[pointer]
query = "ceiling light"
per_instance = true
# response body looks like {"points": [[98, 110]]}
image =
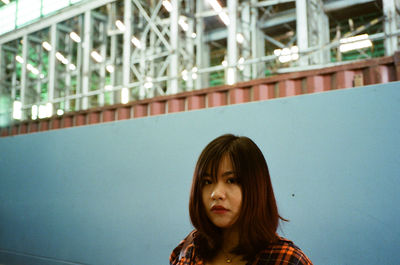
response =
{"points": [[136, 42], [46, 45], [239, 38], [167, 5], [224, 17], [6, 1], [110, 68], [355, 43], [19, 59], [75, 37], [124, 95], [96, 56], [120, 25], [72, 67], [182, 22], [17, 110]]}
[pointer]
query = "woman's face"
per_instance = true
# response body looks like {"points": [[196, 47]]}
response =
{"points": [[222, 198]]}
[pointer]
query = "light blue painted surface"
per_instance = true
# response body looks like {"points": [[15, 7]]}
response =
{"points": [[117, 193]]}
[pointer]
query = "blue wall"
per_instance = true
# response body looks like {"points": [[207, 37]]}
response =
{"points": [[117, 193]]}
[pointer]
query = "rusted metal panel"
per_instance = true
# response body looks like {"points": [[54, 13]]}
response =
{"points": [[239, 95], [124, 113], [108, 115], [366, 72], [140, 110], [216, 99], [196, 102], [263, 91], [157, 107], [176, 104], [94, 117], [44, 125]]}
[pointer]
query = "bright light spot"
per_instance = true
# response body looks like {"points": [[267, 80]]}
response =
{"points": [[215, 5], [240, 62], [34, 112], [194, 35], [224, 17], [49, 108], [6, 1], [60, 112], [75, 37], [355, 43], [217, 8], [287, 54], [17, 110], [19, 59], [182, 22], [239, 38], [32, 69], [295, 56], [120, 25], [194, 76], [149, 83], [72, 67], [224, 63], [136, 42], [277, 52], [194, 69], [110, 68], [46, 45], [96, 56], [230, 80], [61, 58], [124, 95], [167, 5], [185, 75], [41, 76], [108, 87]]}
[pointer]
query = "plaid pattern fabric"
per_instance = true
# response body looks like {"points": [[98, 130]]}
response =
{"points": [[283, 252]]}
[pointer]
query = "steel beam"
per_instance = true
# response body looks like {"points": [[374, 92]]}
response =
{"points": [[87, 47], [391, 9], [232, 50], [174, 44]]}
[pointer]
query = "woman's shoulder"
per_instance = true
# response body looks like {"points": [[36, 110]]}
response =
{"points": [[184, 252], [283, 251]]}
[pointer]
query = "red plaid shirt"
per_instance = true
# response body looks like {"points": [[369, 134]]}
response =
{"points": [[283, 252]]}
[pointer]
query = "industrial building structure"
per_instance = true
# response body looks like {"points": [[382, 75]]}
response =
{"points": [[68, 56]]}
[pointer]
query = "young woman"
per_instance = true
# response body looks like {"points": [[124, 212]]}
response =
{"points": [[233, 209]]}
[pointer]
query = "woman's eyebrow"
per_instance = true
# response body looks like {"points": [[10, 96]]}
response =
{"points": [[227, 173]]}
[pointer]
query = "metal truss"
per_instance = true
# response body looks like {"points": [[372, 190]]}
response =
{"points": [[105, 52]]}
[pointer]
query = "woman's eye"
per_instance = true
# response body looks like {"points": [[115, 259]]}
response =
{"points": [[232, 181], [206, 182]]}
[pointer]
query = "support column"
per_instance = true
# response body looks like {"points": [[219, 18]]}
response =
{"points": [[318, 32], [302, 30], [232, 44], [24, 79], [391, 26], [246, 31], [52, 63], [257, 43], [126, 63], [202, 49], [87, 47], [174, 37]]}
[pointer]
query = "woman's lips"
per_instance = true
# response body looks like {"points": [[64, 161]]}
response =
{"points": [[219, 209]]}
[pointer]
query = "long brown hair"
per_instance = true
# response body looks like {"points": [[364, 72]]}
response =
{"points": [[259, 217]]}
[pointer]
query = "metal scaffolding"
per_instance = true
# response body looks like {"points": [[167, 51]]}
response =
{"points": [[105, 52]]}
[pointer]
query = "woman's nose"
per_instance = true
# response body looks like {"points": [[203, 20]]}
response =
{"points": [[218, 192]]}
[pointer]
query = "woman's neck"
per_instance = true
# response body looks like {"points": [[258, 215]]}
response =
{"points": [[231, 240]]}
